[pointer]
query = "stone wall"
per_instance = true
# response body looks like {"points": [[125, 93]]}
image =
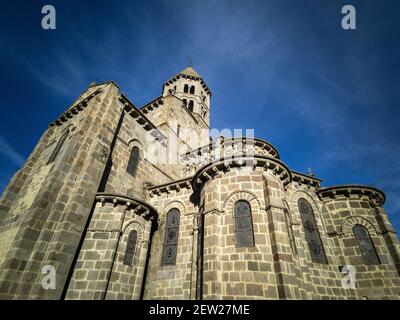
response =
{"points": [[100, 272], [55, 199], [76, 213], [173, 281]]}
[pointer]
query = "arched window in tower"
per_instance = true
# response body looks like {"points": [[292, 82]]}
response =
{"points": [[130, 248], [133, 161], [244, 236], [191, 105], [186, 89], [192, 89], [311, 232], [365, 244], [171, 237], [185, 102]]}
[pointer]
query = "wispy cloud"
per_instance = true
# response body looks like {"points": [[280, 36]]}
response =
{"points": [[8, 151]]}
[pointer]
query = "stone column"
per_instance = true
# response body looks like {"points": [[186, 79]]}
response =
{"points": [[141, 268]]}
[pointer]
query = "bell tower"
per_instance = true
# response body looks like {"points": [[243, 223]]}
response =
{"points": [[189, 87]]}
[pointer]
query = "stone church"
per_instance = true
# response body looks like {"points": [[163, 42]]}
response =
{"points": [[122, 202]]}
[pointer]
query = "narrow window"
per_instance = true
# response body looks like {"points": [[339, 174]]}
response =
{"points": [[191, 105], [192, 89], [133, 161], [58, 147], [171, 237], [130, 248], [244, 236], [186, 88], [365, 244], [178, 130], [312, 235], [185, 102], [289, 227]]}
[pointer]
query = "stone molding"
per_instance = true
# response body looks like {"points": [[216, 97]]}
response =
{"points": [[208, 171], [348, 224], [237, 195], [186, 76], [168, 187], [75, 109], [374, 194], [152, 105], [307, 180], [223, 144], [139, 207], [140, 118]]}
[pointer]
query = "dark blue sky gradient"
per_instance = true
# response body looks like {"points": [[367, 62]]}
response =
{"points": [[326, 98]]}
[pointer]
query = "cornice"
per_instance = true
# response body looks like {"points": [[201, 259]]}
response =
{"points": [[139, 207], [186, 76], [75, 108], [208, 171], [140, 118], [375, 195], [222, 143], [306, 179], [152, 105], [168, 187]]}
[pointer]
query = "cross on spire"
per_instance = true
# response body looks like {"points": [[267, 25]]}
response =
{"points": [[189, 60]]}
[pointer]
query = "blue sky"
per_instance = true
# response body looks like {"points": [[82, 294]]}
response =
{"points": [[325, 97]]}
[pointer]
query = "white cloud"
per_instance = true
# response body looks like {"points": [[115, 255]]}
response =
{"points": [[9, 152]]}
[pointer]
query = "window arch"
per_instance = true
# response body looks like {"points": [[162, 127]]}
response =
{"points": [[130, 248], [185, 102], [191, 104], [365, 244], [186, 89], [171, 237], [192, 89], [133, 161], [311, 231], [244, 235]]}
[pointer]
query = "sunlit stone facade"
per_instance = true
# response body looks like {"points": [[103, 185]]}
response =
{"points": [[139, 203]]}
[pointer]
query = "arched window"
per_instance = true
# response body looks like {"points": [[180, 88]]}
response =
{"points": [[244, 236], [186, 89], [130, 248], [191, 103], [365, 244], [192, 89], [171, 237], [133, 161], [58, 147], [312, 235], [185, 102]]}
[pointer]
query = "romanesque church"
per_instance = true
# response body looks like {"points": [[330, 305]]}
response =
{"points": [[127, 202]]}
